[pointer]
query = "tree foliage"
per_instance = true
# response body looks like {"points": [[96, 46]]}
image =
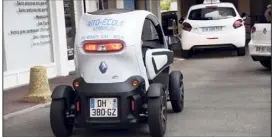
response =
{"points": [[165, 4]]}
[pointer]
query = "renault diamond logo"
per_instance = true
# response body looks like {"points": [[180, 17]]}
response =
{"points": [[265, 31], [103, 67]]}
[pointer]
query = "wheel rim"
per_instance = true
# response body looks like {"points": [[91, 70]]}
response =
{"points": [[181, 90], [163, 113], [67, 120]]}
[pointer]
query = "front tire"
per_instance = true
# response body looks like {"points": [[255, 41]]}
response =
{"points": [[157, 115], [241, 51], [185, 54], [59, 123], [176, 90], [266, 63]]}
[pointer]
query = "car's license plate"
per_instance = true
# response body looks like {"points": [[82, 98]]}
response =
{"points": [[211, 29], [263, 49], [103, 107]]}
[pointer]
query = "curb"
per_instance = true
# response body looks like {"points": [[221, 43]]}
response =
{"points": [[26, 110]]}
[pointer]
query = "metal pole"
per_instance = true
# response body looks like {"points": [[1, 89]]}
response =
{"points": [[84, 6]]}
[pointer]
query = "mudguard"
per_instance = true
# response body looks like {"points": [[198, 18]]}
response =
{"points": [[64, 92], [174, 85], [154, 90]]}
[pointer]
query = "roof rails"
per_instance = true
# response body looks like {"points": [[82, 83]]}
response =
{"points": [[211, 1]]}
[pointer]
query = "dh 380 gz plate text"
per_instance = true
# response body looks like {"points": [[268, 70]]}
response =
{"points": [[103, 107]]}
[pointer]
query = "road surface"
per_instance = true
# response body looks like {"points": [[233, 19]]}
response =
{"points": [[225, 95]]}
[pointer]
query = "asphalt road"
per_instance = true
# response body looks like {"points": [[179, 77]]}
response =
{"points": [[225, 95]]}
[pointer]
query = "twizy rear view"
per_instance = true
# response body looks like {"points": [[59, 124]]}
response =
{"points": [[123, 68]]}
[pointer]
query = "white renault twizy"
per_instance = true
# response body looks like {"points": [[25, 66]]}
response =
{"points": [[123, 67]]}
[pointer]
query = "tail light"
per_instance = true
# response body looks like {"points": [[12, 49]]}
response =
{"points": [[238, 23], [133, 105], [77, 106], [107, 46], [186, 26], [253, 29]]}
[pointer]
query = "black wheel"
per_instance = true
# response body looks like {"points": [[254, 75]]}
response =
{"points": [[157, 115], [266, 63], [60, 125], [176, 91], [241, 51], [185, 54]]}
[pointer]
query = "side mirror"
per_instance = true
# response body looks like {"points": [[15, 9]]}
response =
{"points": [[244, 16], [181, 20], [173, 41]]}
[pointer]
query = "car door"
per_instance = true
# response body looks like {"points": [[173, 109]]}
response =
{"points": [[156, 56]]}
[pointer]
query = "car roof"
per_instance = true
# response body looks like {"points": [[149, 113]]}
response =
{"points": [[221, 4], [111, 11]]}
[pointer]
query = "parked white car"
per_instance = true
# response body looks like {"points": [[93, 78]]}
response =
{"points": [[260, 43], [213, 25]]}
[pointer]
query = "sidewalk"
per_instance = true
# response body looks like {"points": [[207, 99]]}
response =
{"points": [[12, 98]]}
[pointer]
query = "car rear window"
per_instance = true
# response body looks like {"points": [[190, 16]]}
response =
{"points": [[212, 13]]}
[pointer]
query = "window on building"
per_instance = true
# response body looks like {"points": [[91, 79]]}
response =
{"points": [[103, 4], [27, 36], [70, 27]]}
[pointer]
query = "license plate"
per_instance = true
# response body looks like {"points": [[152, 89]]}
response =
{"points": [[103, 107], [211, 29], [263, 49]]}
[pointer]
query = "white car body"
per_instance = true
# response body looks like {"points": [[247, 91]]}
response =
{"points": [[260, 43], [215, 32], [127, 29]]}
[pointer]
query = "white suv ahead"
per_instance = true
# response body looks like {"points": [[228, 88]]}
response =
{"points": [[213, 25]]}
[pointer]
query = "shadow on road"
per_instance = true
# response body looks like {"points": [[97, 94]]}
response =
{"points": [[138, 131], [259, 71], [141, 130], [213, 53], [209, 53]]}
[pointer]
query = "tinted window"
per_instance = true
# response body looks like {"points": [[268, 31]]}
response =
{"points": [[212, 13], [149, 31]]}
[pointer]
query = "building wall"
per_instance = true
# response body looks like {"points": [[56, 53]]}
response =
{"points": [[129, 4], [46, 46], [53, 55], [141, 4]]}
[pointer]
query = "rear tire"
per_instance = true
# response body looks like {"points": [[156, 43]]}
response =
{"points": [[241, 51], [157, 115], [185, 54], [176, 89], [59, 123], [266, 63]]}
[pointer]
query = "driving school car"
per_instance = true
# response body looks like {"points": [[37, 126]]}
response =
{"points": [[260, 44], [213, 24], [123, 75]]}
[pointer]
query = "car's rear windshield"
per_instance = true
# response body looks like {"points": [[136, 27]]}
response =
{"points": [[212, 13]]}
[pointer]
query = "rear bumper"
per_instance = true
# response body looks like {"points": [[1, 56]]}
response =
{"points": [[253, 52], [237, 38], [261, 58], [123, 91]]}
